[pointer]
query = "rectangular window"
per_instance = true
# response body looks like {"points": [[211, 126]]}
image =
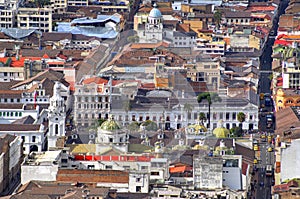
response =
{"points": [[153, 173], [33, 139], [234, 116], [227, 116]]}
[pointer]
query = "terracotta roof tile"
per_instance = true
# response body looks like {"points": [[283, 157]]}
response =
{"points": [[11, 106], [19, 127], [92, 176], [50, 74], [19, 62], [148, 45], [96, 80]]}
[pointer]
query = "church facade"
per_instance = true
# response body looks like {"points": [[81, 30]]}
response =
{"points": [[152, 32]]}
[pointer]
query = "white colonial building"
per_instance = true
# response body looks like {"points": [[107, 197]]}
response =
{"points": [[33, 135], [176, 116], [93, 98]]}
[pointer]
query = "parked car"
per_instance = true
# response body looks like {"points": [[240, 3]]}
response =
{"points": [[268, 101]]}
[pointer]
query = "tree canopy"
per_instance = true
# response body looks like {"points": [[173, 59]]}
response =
{"points": [[241, 117]]}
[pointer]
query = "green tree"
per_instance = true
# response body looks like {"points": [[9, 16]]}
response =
{"points": [[270, 77], [241, 117], [100, 121], [133, 126], [8, 61], [188, 109], [150, 125], [133, 39], [236, 131], [210, 98], [202, 118], [218, 17]]}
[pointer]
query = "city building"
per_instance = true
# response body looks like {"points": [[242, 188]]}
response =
{"points": [[8, 13], [110, 135], [35, 18], [94, 97], [43, 189], [176, 117], [33, 135], [104, 26], [11, 157], [286, 98], [9, 113], [153, 29], [41, 166], [207, 172], [232, 172]]}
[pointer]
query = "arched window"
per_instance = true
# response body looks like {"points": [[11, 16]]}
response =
{"points": [[56, 129], [289, 101]]}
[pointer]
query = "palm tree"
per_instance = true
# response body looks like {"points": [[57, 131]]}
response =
{"points": [[217, 18], [202, 118], [188, 108], [210, 98], [241, 117]]}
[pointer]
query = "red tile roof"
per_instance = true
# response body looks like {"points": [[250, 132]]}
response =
{"points": [[56, 63], [149, 45], [281, 188], [97, 80], [45, 56], [18, 63], [92, 176], [261, 8], [283, 42], [148, 85]]}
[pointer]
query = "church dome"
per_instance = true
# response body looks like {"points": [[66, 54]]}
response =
{"points": [[198, 128], [221, 132], [110, 125], [155, 13]]}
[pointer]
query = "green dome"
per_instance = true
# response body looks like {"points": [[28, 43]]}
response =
{"points": [[221, 132], [110, 125]]}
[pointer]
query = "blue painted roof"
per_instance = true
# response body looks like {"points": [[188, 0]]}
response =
{"points": [[155, 13]]}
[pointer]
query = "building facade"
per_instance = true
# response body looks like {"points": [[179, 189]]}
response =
{"points": [[33, 135], [35, 18], [93, 98], [11, 153], [153, 31], [207, 172]]}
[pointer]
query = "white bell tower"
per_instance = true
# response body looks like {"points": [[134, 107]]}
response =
{"points": [[56, 116]]}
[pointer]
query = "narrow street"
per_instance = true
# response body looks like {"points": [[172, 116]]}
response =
{"points": [[262, 184]]}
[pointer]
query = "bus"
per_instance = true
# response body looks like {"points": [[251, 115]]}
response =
{"points": [[269, 170]]}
